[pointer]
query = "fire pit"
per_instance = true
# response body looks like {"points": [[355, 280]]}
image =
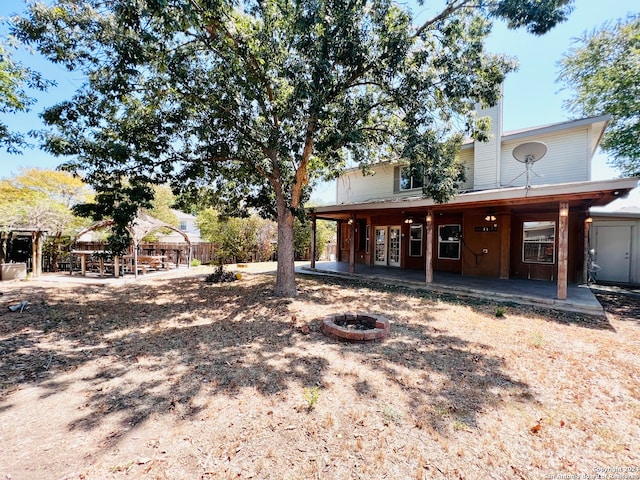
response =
{"points": [[356, 327]]}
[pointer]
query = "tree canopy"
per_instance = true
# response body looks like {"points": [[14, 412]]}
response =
{"points": [[602, 71], [42, 199], [15, 82], [260, 99]]}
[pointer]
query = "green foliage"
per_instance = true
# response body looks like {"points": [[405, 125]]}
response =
{"points": [[325, 231], [15, 81], [118, 241], [195, 262], [237, 239], [500, 311], [43, 199], [311, 396], [259, 100], [603, 72], [161, 208], [301, 238]]}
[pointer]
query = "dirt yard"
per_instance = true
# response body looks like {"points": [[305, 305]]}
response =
{"points": [[173, 378]]}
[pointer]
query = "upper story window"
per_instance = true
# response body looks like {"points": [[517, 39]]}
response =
{"points": [[183, 225], [403, 180], [409, 182]]}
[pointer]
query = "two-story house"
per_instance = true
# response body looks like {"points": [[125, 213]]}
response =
{"points": [[522, 213]]}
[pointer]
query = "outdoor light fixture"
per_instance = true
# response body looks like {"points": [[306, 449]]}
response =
{"points": [[408, 220], [589, 220], [350, 222], [491, 215]]}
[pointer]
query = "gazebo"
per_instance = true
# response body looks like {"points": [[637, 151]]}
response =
{"points": [[141, 226]]}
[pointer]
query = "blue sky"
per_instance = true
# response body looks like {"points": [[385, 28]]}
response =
{"points": [[531, 95]]}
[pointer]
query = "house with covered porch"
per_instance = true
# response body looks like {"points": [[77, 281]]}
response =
{"points": [[523, 211]]}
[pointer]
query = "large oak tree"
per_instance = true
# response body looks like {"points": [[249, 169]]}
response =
{"points": [[260, 99]]}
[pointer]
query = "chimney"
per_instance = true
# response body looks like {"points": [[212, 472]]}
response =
{"points": [[486, 155]]}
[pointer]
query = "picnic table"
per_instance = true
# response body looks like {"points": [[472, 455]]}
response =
{"points": [[146, 263], [86, 257]]}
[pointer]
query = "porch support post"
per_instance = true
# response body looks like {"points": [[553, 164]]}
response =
{"points": [[34, 254], [352, 243], [563, 247], [585, 261], [313, 240], [505, 245], [429, 249]]}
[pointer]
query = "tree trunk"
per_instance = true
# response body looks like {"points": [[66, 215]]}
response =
{"points": [[285, 276]]}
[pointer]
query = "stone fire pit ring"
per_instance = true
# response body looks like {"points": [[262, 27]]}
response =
{"points": [[356, 327]]}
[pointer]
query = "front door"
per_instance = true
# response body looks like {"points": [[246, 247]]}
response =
{"points": [[380, 257], [387, 246], [613, 253]]}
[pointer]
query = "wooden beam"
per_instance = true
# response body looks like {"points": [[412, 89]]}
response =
{"points": [[563, 250], [313, 240], [505, 245], [352, 243], [429, 249]]}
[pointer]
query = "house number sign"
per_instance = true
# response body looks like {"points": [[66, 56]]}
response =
{"points": [[487, 229]]}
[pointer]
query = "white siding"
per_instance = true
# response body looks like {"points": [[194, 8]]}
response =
{"points": [[567, 160], [486, 172], [353, 187], [466, 157]]}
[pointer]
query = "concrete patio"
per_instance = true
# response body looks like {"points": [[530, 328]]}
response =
{"points": [[537, 293]]}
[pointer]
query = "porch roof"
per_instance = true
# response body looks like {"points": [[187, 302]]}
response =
{"points": [[583, 194]]}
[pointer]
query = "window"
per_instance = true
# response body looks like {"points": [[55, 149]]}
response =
{"points": [[449, 242], [409, 182], [415, 241], [183, 225], [539, 242]]}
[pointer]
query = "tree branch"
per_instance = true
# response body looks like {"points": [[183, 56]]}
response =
{"points": [[449, 10]]}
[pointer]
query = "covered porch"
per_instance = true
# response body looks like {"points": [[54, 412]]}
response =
{"points": [[535, 237], [537, 293]]}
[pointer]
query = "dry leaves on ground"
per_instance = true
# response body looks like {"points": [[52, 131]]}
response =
{"points": [[176, 378]]}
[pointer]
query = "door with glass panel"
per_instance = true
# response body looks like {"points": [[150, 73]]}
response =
{"points": [[394, 246], [380, 251]]}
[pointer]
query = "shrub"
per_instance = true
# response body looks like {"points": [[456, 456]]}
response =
{"points": [[311, 395], [221, 276], [195, 262]]}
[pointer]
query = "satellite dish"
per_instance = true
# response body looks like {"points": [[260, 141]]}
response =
{"points": [[529, 153]]}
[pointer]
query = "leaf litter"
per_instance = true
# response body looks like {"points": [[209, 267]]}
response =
{"points": [[170, 377]]}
